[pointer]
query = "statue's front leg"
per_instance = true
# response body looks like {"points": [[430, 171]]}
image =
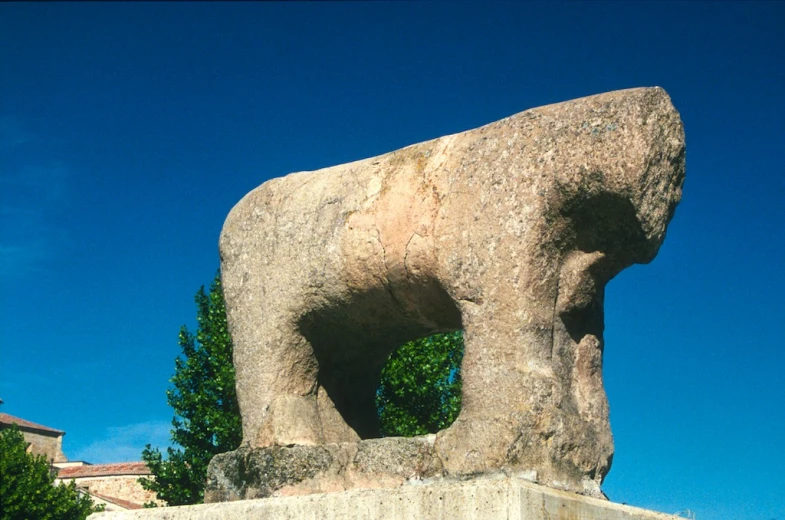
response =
{"points": [[507, 395], [519, 413]]}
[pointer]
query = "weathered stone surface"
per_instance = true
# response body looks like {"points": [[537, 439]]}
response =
{"points": [[297, 470], [489, 498], [509, 231]]}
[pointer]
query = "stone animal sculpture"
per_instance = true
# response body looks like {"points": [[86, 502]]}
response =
{"points": [[509, 232]]}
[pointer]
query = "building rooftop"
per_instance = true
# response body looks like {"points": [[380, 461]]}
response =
{"points": [[104, 470], [28, 425], [125, 504]]}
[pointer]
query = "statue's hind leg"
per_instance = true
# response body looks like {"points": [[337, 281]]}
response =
{"points": [[280, 400]]}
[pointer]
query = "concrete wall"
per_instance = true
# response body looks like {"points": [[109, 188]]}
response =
{"points": [[481, 499]]}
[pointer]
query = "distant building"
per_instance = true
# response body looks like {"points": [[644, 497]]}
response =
{"points": [[116, 486], [41, 440]]}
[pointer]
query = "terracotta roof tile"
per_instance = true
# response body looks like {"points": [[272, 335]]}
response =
{"points": [[127, 504], [104, 470], [10, 419]]}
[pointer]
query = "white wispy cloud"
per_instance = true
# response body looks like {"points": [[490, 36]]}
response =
{"points": [[12, 133], [21, 258], [124, 443], [33, 196], [37, 181]]}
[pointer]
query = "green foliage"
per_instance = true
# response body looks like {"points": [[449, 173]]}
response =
{"points": [[27, 487], [207, 417], [420, 388]]}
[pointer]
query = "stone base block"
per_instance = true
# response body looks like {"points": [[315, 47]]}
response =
{"points": [[274, 471], [483, 498]]}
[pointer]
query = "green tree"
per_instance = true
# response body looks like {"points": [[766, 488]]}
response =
{"points": [[27, 487], [420, 388], [207, 417]]}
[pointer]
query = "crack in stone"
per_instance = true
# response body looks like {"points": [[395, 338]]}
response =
{"points": [[406, 254], [555, 313], [386, 281]]}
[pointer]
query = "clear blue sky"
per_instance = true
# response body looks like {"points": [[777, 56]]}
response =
{"points": [[128, 131]]}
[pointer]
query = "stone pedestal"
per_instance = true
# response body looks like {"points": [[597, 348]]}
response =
{"points": [[251, 473], [484, 498]]}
